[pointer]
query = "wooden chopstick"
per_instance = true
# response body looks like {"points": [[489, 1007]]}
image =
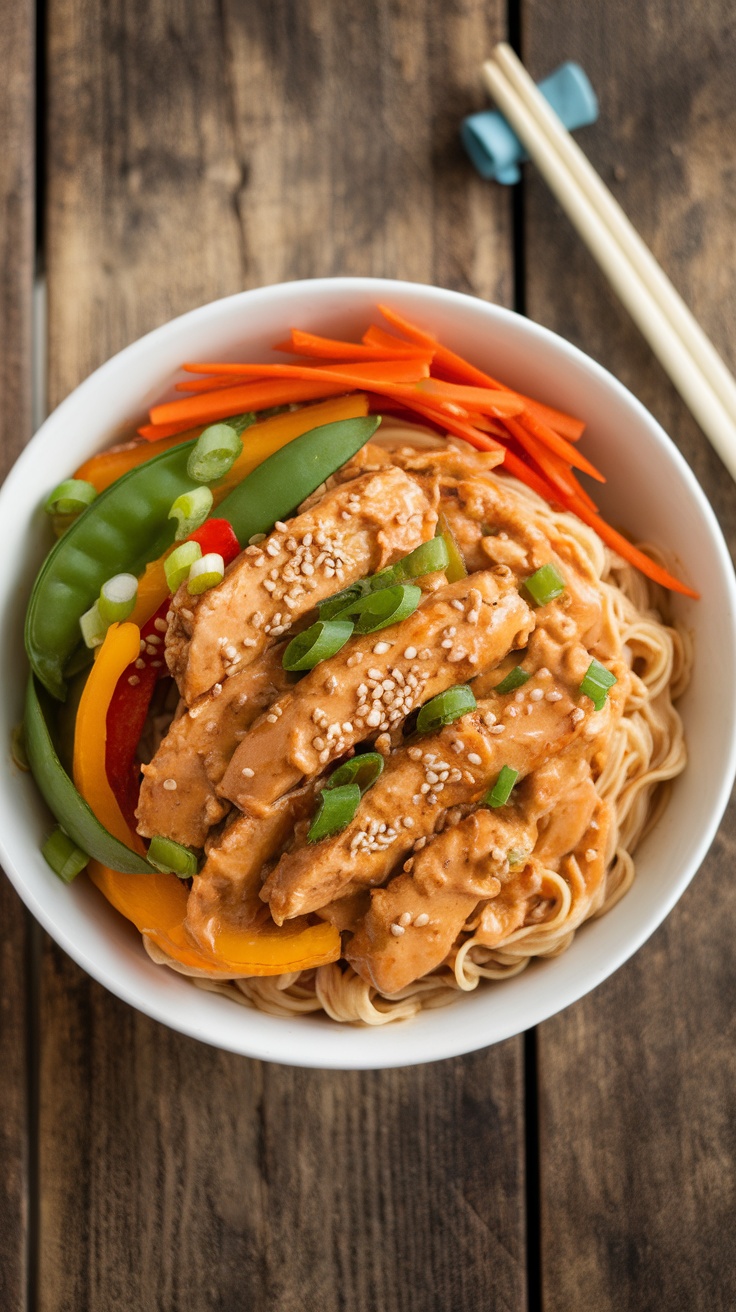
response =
{"points": [[682, 347]]}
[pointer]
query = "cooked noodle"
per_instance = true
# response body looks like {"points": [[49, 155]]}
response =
{"points": [[646, 750]]}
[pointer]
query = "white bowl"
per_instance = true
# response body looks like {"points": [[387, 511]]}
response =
{"points": [[650, 489]]}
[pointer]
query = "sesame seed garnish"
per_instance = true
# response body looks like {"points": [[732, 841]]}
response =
{"points": [[416, 799], [405, 918], [397, 930], [474, 758], [247, 772], [511, 711], [421, 920], [410, 653], [408, 822], [553, 696], [133, 680], [170, 785], [489, 719], [458, 745], [459, 605], [591, 854], [497, 728], [140, 664], [375, 674], [381, 648], [216, 689], [160, 624], [280, 526], [186, 613], [577, 715], [156, 665], [446, 643], [536, 695]]}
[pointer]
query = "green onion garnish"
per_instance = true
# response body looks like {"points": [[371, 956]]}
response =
{"points": [[215, 452], [93, 626], [427, 558], [456, 567], [596, 683], [337, 806], [241, 422], [501, 791], [117, 598], [205, 573], [172, 858], [191, 510], [65, 858], [362, 770], [545, 585], [379, 609], [446, 707], [516, 678], [332, 606], [317, 643], [179, 563], [70, 498]]}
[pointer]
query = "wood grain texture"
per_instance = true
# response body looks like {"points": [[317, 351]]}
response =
{"points": [[638, 1081], [17, 52], [194, 149]]}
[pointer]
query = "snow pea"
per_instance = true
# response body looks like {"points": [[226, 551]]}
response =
{"points": [[124, 528], [67, 805], [277, 486]]}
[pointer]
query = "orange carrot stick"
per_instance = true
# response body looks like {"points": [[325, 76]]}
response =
{"points": [[459, 370], [251, 396], [627, 549], [486, 399], [541, 433], [327, 348], [391, 371]]}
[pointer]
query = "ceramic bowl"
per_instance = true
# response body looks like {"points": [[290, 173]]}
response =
{"points": [[650, 490]]}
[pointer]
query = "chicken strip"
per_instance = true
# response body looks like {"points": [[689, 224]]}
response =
{"points": [[414, 921], [457, 765], [374, 683], [178, 798], [355, 529]]}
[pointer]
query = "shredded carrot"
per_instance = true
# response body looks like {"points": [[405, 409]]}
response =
{"points": [[528, 427], [251, 396], [326, 348], [391, 371], [628, 551]]}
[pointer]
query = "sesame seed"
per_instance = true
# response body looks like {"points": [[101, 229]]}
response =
{"points": [[133, 680], [269, 585], [425, 654], [397, 930], [458, 745], [512, 711], [247, 772], [373, 719], [415, 753], [410, 653], [474, 758], [170, 785], [553, 696], [591, 854], [536, 695], [416, 799], [169, 617], [272, 719], [280, 526], [405, 918], [160, 624], [489, 719], [421, 920], [446, 643], [140, 665], [216, 689], [156, 665], [497, 728], [519, 697], [577, 715], [473, 616], [420, 843], [324, 756], [154, 639], [408, 822], [459, 605], [186, 613], [381, 648]]}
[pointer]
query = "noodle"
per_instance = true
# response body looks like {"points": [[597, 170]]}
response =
{"points": [[646, 750]]}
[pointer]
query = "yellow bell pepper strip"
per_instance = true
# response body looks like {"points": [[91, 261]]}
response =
{"points": [[120, 648], [107, 467]]}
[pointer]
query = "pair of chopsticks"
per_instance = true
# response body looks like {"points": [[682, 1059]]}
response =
{"points": [[685, 352]]}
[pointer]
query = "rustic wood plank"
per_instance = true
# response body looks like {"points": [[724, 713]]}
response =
{"points": [[637, 1081], [195, 149], [17, 89]]}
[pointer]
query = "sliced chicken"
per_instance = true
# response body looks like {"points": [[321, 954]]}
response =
{"points": [[356, 529], [441, 770], [374, 683], [178, 798], [414, 921]]}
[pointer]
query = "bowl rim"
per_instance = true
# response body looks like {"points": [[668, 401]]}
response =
{"points": [[276, 1047]]}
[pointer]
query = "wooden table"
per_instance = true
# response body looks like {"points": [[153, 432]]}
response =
{"points": [[185, 150]]}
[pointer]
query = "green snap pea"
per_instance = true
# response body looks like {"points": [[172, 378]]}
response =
{"points": [[68, 807], [125, 527], [277, 486]]}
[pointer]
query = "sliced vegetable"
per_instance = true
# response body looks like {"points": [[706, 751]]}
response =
{"points": [[362, 770], [93, 627], [596, 683], [428, 558], [68, 807], [190, 511], [332, 606], [500, 793], [257, 396], [217, 535], [127, 714], [205, 573], [545, 585], [117, 598], [317, 643], [380, 609], [337, 806], [126, 526], [327, 348], [456, 567], [70, 498], [179, 563], [65, 858], [446, 707], [516, 678], [166, 855], [290, 475], [214, 453]]}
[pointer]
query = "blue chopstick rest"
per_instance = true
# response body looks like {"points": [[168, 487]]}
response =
{"points": [[496, 150]]}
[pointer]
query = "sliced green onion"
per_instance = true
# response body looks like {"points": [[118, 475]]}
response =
{"points": [[191, 510], [500, 793], [65, 858], [179, 563], [172, 858], [446, 707], [93, 626], [516, 678], [362, 770], [379, 609], [317, 643], [456, 567], [332, 606], [205, 573], [70, 498], [545, 585], [596, 683], [337, 806], [117, 598], [214, 453], [240, 422], [427, 558]]}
